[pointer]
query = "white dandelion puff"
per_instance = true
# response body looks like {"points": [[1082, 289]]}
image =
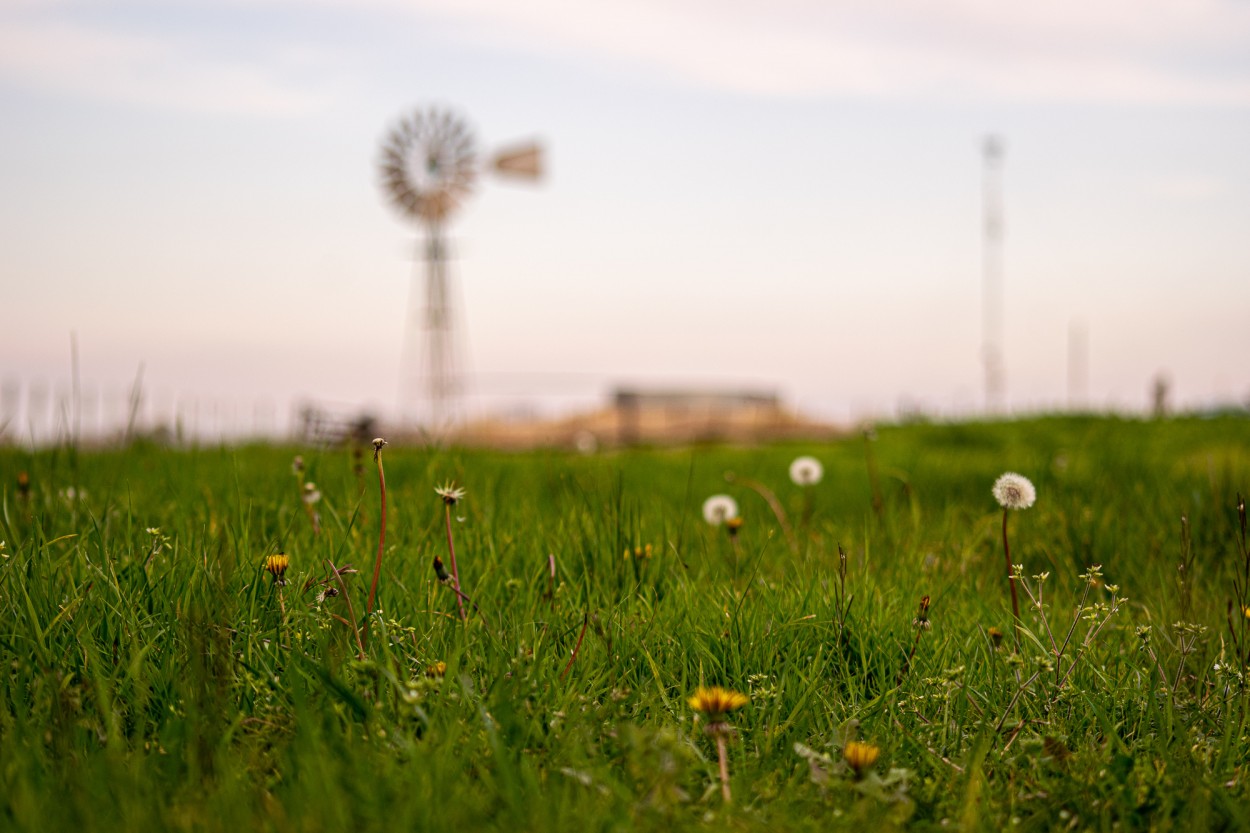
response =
{"points": [[719, 508], [806, 471], [1014, 491]]}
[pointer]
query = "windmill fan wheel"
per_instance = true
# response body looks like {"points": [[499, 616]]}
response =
{"points": [[429, 164]]}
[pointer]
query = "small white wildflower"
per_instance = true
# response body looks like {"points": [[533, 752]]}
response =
{"points": [[1014, 491], [311, 495], [806, 471], [719, 508]]}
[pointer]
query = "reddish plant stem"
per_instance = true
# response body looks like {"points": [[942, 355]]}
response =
{"points": [[350, 612], [377, 565], [1011, 581], [578, 646], [455, 571]]}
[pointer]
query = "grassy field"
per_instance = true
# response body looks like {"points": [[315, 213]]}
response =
{"points": [[156, 677]]}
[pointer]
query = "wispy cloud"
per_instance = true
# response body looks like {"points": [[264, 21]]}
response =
{"points": [[167, 72], [1146, 51], [1125, 51]]}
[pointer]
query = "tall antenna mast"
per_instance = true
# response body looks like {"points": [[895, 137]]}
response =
{"points": [[429, 166], [992, 267]]}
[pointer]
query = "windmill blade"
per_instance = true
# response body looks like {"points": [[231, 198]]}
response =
{"points": [[519, 161]]}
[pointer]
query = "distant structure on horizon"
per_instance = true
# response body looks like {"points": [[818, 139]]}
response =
{"points": [[429, 166]]}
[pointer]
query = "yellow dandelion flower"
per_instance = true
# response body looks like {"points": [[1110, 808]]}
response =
{"points": [[437, 669], [715, 702], [734, 524], [860, 756], [276, 566]]}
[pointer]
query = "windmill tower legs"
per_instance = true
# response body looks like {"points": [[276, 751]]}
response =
{"points": [[433, 395]]}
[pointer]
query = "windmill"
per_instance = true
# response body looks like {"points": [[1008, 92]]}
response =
{"points": [[430, 165]]}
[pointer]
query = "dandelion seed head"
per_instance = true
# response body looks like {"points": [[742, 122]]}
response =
{"points": [[719, 508], [1014, 491], [450, 493], [806, 471]]}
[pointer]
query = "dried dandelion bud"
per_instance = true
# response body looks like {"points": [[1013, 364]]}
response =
{"points": [[921, 622]]}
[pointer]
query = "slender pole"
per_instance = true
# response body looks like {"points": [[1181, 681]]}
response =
{"points": [[992, 266]]}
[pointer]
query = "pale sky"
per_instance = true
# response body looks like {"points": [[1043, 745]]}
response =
{"points": [[783, 195]]}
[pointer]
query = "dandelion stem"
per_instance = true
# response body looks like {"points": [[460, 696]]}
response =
{"points": [[878, 501], [774, 504], [722, 752], [1011, 581], [455, 571], [577, 647], [350, 612], [377, 565]]}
